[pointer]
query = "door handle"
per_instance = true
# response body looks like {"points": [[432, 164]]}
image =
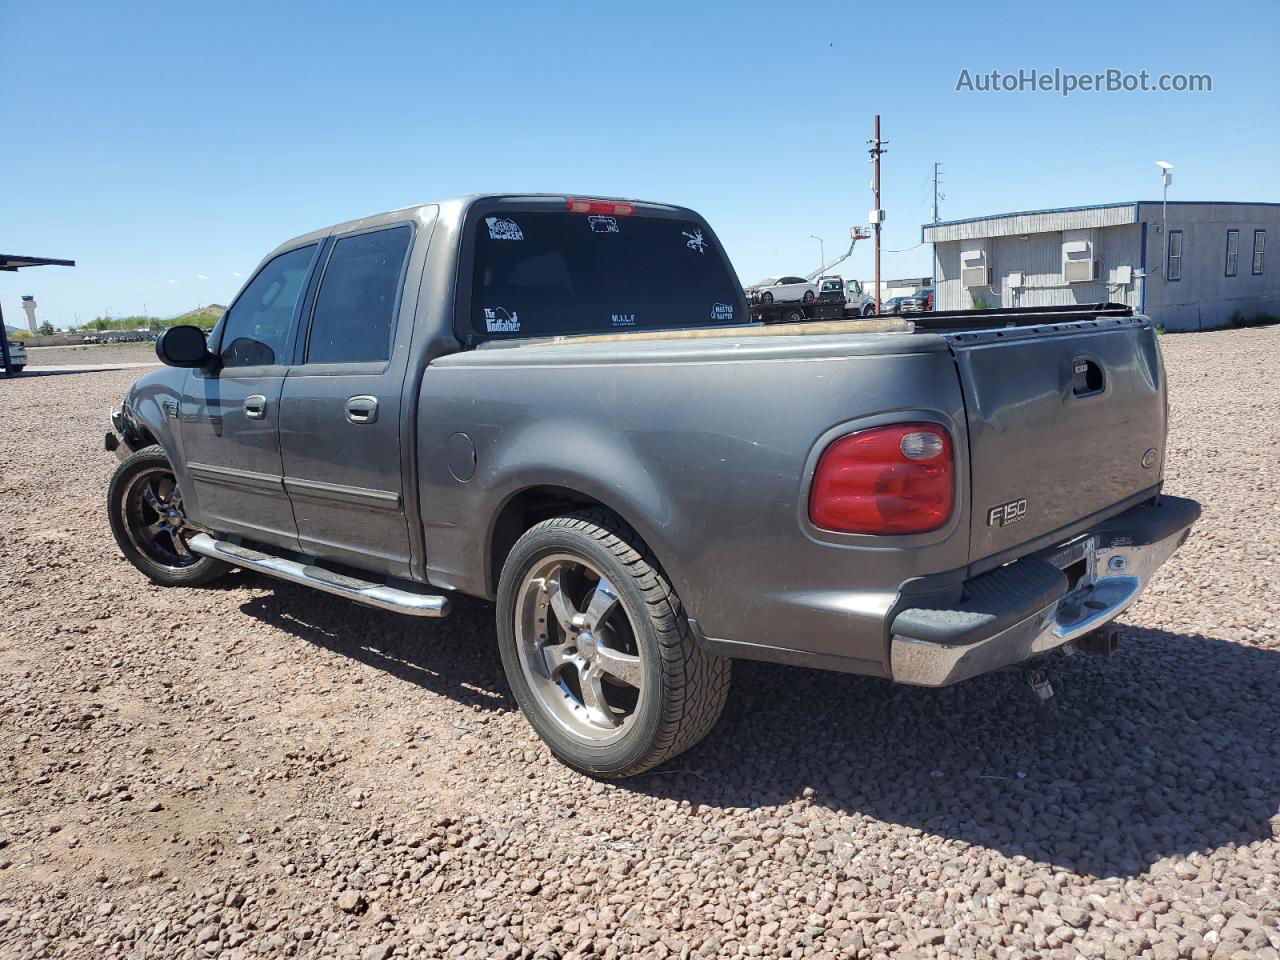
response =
{"points": [[255, 407], [362, 409]]}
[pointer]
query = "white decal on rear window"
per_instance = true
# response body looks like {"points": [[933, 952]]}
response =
{"points": [[500, 228], [624, 319], [501, 320], [695, 240], [603, 224], [722, 311]]}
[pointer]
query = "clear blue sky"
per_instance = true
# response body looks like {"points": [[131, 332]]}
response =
{"points": [[167, 147]]}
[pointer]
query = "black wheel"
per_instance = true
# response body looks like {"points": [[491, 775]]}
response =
{"points": [[144, 507], [17, 367], [808, 296], [598, 651], [792, 316], [766, 297], [869, 310]]}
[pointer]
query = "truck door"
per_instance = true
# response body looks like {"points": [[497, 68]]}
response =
{"points": [[230, 418], [340, 409]]}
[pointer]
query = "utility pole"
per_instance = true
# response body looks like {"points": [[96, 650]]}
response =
{"points": [[937, 173], [877, 215]]}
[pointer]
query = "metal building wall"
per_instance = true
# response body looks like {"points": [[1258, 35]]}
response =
{"points": [[1039, 259], [1205, 297]]}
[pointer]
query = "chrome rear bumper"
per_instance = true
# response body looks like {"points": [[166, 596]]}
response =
{"points": [[1116, 568]]}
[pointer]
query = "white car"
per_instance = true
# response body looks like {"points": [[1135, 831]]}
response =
{"points": [[783, 290]]}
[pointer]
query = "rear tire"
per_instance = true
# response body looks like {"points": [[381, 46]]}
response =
{"points": [[18, 367], [144, 508], [598, 650], [792, 316]]}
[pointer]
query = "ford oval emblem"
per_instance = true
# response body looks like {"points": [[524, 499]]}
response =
{"points": [[1149, 458]]}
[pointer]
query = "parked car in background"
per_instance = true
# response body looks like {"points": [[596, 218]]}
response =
{"points": [[919, 302], [783, 290], [17, 353], [559, 405], [892, 306]]}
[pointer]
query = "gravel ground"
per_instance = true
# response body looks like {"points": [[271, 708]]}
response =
{"points": [[252, 769], [92, 353]]}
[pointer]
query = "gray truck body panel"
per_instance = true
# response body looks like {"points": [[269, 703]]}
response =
{"points": [[705, 446]]}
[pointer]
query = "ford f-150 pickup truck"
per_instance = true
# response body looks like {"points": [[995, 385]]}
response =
{"points": [[559, 404]]}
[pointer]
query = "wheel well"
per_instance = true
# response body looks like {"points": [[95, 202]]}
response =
{"points": [[145, 437], [526, 509]]}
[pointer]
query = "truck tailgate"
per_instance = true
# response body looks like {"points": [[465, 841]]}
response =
{"points": [[1063, 420]]}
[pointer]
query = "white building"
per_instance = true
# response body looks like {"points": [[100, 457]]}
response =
{"points": [[1195, 271]]}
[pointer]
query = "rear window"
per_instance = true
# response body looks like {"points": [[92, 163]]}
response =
{"points": [[545, 274]]}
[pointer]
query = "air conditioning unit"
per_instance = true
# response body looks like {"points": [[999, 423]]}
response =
{"points": [[1078, 262], [974, 271], [1080, 271]]}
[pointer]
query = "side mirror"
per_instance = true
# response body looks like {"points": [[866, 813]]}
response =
{"points": [[183, 347]]}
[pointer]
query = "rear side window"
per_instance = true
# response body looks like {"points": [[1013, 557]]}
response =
{"points": [[546, 273], [354, 316], [255, 330]]}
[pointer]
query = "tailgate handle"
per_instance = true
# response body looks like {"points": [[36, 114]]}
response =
{"points": [[1086, 377]]}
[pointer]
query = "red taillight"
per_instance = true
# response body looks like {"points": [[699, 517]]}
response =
{"points": [[607, 207], [894, 479]]}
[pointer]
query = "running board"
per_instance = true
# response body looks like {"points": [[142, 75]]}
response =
{"points": [[361, 591]]}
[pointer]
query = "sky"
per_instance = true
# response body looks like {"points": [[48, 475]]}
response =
{"points": [[167, 147]]}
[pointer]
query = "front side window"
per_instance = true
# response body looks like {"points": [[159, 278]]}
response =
{"points": [[354, 316], [1173, 267], [1259, 248], [546, 273], [1233, 251], [255, 331]]}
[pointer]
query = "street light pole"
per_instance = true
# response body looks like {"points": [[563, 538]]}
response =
{"points": [[1166, 178]]}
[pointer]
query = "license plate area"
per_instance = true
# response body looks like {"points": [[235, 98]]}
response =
{"points": [[1076, 560]]}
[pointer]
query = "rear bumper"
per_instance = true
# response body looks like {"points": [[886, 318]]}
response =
{"points": [[1040, 602]]}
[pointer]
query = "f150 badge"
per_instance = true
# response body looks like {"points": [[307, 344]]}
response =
{"points": [[1007, 513]]}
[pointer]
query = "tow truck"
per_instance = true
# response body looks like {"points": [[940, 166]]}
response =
{"points": [[837, 299]]}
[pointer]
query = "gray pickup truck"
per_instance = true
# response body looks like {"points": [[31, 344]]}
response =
{"points": [[559, 404]]}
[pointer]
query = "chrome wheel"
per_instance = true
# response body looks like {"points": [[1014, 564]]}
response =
{"points": [[151, 506], [577, 648]]}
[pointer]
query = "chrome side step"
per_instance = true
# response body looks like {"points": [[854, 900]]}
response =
{"points": [[361, 591]]}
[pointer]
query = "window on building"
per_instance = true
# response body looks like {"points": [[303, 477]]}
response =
{"points": [[354, 316], [1173, 262], [1233, 251], [1259, 248]]}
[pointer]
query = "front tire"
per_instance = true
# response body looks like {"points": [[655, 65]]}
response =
{"points": [[869, 310], [598, 651], [144, 508], [808, 296], [766, 297]]}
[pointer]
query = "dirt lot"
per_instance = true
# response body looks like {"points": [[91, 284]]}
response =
{"points": [[254, 769], [92, 353]]}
